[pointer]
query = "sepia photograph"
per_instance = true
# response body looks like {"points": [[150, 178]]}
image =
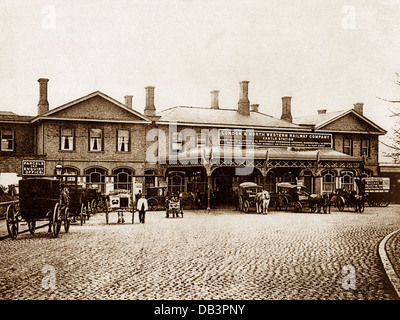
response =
{"points": [[200, 158]]}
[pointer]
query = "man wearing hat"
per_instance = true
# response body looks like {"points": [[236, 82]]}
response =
{"points": [[142, 207]]}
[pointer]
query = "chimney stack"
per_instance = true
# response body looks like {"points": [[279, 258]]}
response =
{"points": [[359, 107], [128, 101], [150, 109], [322, 111], [244, 103], [254, 107], [43, 105], [214, 99], [287, 109]]}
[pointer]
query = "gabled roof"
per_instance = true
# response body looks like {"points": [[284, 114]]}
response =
{"points": [[319, 121], [8, 116], [51, 112], [221, 117]]}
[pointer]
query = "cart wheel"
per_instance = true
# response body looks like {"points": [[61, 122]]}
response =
{"points": [[246, 206], [82, 214], [93, 206], [313, 208], [107, 217], [67, 222], [285, 204], [12, 221], [32, 227], [298, 206], [153, 205], [56, 220], [340, 204]]}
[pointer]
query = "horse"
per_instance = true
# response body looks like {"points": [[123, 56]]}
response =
{"points": [[318, 202], [262, 200]]}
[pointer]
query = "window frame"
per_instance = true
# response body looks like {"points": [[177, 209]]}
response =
{"points": [[72, 137], [101, 144], [12, 140], [128, 143], [368, 147], [350, 146]]}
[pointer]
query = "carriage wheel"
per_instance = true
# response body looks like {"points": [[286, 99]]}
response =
{"points": [[56, 220], [298, 206], [12, 221], [32, 227], [153, 205], [313, 207], [67, 221], [82, 214], [340, 204], [285, 203], [93, 206], [246, 206]]}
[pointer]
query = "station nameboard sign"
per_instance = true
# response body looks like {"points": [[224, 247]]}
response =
{"points": [[33, 168], [261, 138]]}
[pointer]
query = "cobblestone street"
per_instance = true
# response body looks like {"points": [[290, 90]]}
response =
{"points": [[221, 255]]}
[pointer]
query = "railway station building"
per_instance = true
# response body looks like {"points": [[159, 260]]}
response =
{"points": [[99, 142]]}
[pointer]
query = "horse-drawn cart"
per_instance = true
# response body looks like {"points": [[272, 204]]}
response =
{"points": [[77, 203], [120, 201], [173, 207], [247, 194], [377, 190], [295, 196], [40, 199]]}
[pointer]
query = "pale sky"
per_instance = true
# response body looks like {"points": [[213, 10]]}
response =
{"points": [[187, 48]]}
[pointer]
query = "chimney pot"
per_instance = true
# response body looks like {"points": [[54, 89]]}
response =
{"points": [[287, 109], [254, 107], [244, 103], [128, 101], [359, 107], [214, 99], [150, 109], [43, 105], [322, 111]]}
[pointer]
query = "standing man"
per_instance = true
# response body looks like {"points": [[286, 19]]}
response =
{"points": [[142, 207]]}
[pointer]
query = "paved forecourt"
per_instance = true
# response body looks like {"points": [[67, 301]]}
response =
{"points": [[221, 255]]}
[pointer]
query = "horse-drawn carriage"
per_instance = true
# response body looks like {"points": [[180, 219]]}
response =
{"points": [[40, 199], [250, 194], [173, 207], [120, 201], [96, 201], [77, 203], [156, 197], [377, 190], [295, 196]]}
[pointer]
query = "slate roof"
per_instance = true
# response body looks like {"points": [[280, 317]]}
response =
{"points": [[8, 116], [222, 117]]}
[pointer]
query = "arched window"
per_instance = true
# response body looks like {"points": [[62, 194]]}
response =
{"points": [[328, 181], [347, 180], [69, 175], [123, 178], [176, 182], [95, 178]]}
